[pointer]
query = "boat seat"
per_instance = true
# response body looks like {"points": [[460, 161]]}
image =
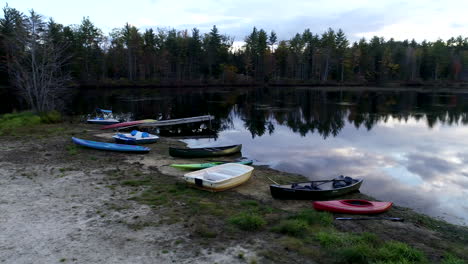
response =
{"points": [[214, 176]]}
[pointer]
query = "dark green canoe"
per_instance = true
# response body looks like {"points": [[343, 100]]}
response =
{"points": [[199, 166], [205, 152], [316, 190]]}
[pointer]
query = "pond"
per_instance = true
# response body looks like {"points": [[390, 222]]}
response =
{"points": [[408, 145]]}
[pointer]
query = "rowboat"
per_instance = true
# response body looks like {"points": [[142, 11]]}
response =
{"points": [[316, 190], [109, 146], [135, 137], [198, 166], [353, 206], [219, 178], [204, 152], [127, 124], [102, 121]]}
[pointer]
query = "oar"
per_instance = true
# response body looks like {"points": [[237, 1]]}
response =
{"points": [[394, 219], [272, 181]]}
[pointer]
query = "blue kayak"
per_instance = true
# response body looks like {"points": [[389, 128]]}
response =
{"points": [[109, 146]]}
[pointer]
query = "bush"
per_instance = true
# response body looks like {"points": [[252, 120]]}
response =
{"points": [[51, 117], [248, 221]]}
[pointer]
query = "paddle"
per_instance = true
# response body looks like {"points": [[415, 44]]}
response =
{"points": [[394, 219]]}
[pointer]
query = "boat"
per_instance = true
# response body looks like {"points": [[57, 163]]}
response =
{"points": [[135, 137], [103, 117], [316, 190], [219, 178], [127, 124], [204, 152], [198, 166], [109, 146], [158, 123], [102, 121], [352, 206]]}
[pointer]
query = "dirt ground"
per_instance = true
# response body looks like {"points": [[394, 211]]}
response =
{"points": [[63, 204]]}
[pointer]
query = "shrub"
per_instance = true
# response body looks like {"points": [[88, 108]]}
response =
{"points": [[51, 117]]}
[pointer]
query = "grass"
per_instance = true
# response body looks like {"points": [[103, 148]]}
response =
{"points": [[308, 233], [450, 259], [367, 248], [300, 224], [10, 123], [292, 227], [248, 221]]}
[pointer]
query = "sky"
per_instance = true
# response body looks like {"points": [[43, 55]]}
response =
{"points": [[418, 19]]}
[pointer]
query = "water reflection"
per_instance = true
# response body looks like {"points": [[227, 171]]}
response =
{"points": [[408, 145], [404, 162]]}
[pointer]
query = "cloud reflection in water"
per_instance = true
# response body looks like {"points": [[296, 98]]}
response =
{"points": [[404, 162]]}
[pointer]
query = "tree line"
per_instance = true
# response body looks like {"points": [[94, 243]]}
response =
{"points": [[36, 53]]}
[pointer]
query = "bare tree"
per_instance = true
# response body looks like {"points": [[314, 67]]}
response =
{"points": [[36, 68]]}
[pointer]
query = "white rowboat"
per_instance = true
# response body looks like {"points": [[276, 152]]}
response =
{"points": [[219, 178]]}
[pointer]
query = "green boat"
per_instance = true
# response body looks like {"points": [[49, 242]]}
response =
{"points": [[204, 152], [199, 166]]}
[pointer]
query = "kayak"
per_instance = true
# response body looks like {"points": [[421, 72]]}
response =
{"points": [[353, 206], [199, 166], [219, 178], [204, 152], [135, 137], [316, 190], [109, 146], [130, 123]]}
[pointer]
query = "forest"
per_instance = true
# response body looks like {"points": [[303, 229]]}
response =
{"points": [[82, 55]]}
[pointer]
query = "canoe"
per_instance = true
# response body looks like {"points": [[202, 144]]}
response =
{"points": [[316, 190], [129, 123], [353, 206], [109, 146], [204, 152], [102, 121], [219, 178], [135, 137], [199, 166]]}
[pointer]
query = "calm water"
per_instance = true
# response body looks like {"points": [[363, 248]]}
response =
{"points": [[409, 146]]}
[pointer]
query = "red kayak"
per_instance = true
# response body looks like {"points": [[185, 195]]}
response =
{"points": [[130, 123], [353, 206]]}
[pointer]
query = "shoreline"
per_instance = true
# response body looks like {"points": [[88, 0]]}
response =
{"points": [[96, 206]]}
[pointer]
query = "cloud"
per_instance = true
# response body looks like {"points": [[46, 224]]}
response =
{"points": [[430, 167]]}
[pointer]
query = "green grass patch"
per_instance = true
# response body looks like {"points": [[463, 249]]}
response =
{"points": [[10, 122], [313, 217], [366, 248], [451, 259], [248, 221], [292, 227]]}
